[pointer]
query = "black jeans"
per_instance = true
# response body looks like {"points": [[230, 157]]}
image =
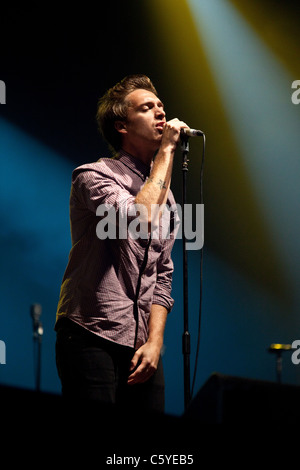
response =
{"points": [[92, 368]]}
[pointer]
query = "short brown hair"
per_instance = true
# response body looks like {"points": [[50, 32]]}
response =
{"points": [[112, 106]]}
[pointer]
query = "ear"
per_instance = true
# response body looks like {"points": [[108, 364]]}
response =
{"points": [[120, 126]]}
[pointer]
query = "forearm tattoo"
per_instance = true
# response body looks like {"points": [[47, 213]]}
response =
{"points": [[159, 182]]}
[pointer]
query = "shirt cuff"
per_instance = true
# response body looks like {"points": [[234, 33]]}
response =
{"points": [[159, 300]]}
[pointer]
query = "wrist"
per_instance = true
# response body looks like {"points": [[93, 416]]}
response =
{"points": [[156, 342], [167, 149]]}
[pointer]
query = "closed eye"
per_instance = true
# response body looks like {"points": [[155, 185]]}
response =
{"points": [[149, 105]]}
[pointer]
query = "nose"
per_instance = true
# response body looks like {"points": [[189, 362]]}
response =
{"points": [[160, 112]]}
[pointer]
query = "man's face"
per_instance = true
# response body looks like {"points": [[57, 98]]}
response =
{"points": [[145, 119]]}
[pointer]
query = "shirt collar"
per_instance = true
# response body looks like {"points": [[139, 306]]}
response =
{"points": [[134, 164]]}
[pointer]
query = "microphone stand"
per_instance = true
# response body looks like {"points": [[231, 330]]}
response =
{"points": [[35, 312], [278, 349], [186, 335]]}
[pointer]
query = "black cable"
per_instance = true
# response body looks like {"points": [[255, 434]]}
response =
{"points": [[201, 275]]}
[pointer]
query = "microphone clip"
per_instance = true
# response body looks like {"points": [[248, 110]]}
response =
{"points": [[185, 148]]}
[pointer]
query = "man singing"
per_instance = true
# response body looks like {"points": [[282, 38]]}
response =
{"points": [[116, 291]]}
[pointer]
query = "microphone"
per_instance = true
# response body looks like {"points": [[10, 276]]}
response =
{"points": [[191, 132], [36, 312]]}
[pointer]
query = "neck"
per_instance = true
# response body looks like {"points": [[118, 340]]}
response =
{"points": [[143, 154]]}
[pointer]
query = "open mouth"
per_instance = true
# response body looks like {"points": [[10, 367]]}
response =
{"points": [[160, 125]]}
